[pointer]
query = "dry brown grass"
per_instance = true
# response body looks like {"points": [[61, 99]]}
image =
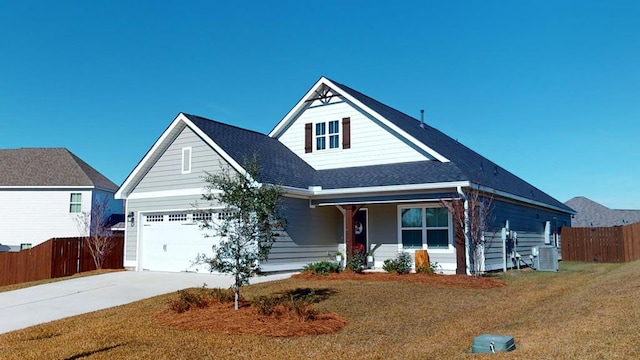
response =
{"points": [[586, 311]]}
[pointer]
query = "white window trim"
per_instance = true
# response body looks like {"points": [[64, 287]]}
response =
{"points": [[449, 250], [71, 203], [182, 168], [327, 136]]}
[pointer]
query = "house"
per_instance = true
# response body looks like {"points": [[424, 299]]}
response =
{"points": [[592, 214], [354, 171], [44, 190]]}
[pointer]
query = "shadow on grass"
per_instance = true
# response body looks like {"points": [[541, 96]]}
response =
{"points": [[309, 295], [93, 352]]}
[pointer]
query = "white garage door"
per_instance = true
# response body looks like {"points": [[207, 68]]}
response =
{"points": [[171, 242]]}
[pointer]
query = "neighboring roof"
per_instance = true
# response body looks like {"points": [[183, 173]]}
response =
{"points": [[48, 167], [119, 226], [592, 214]]}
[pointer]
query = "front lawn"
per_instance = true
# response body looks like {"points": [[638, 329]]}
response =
{"points": [[585, 311]]}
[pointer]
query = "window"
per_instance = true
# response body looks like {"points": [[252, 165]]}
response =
{"points": [[333, 135], [155, 218], [186, 160], [178, 217], [424, 227], [327, 134], [75, 204], [320, 136]]}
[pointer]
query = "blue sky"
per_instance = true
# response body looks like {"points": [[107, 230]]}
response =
{"points": [[550, 90]]}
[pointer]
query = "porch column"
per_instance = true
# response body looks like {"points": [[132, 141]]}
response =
{"points": [[349, 212]]}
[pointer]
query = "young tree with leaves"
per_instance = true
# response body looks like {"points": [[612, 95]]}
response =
{"points": [[96, 234], [471, 216], [249, 224]]}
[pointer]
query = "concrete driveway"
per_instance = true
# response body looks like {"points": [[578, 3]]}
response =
{"points": [[43, 303]]}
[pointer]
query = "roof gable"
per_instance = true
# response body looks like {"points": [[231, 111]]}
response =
{"points": [[278, 165], [329, 90], [48, 167]]}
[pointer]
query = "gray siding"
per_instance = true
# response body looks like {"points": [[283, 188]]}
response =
{"points": [[383, 229], [527, 221], [166, 173], [311, 235]]}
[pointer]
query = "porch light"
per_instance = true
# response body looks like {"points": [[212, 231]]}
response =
{"points": [[131, 218]]}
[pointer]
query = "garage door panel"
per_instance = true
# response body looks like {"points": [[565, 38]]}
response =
{"points": [[174, 245]]}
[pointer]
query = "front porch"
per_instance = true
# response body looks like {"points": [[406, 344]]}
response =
{"points": [[387, 229]]}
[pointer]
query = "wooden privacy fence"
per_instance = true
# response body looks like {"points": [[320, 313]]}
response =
{"points": [[602, 244], [55, 258]]}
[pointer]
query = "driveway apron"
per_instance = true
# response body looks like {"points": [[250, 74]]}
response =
{"points": [[43, 303]]}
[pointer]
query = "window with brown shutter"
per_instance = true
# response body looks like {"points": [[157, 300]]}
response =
{"points": [[346, 133], [308, 138]]}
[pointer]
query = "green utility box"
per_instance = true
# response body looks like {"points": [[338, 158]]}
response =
{"points": [[487, 343]]}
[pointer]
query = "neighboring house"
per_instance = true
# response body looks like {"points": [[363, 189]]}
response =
{"points": [[353, 170], [44, 190], [592, 214]]}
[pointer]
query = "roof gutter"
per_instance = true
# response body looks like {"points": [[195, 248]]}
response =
{"points": [[319, 192], [521, 199]]}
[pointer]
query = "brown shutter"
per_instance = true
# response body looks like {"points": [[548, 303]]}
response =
{"points": [[346, 133], [308, 138]]}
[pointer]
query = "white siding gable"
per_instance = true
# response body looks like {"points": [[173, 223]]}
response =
{"points": [[35, 216], [371, 142]]}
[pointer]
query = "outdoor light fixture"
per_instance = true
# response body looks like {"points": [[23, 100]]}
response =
{"points": [[130, 218]]}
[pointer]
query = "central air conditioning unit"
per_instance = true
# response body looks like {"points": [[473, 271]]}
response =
{"points": [[545, 257]]}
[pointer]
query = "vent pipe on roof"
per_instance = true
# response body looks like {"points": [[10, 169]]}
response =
{"points": [[422, 118]]}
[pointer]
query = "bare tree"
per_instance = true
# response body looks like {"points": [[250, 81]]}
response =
{"points": [[471, 216], [96, 233]]}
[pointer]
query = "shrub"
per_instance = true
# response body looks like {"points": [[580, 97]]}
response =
{"points": [[286, 304], [404, 263], [323, 267], [357, 261], [390, 265], [433, 268], [401, 264], [188, 299], [223, 295]]}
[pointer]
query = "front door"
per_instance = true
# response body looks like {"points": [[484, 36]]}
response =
{"points": [[360, 230]]}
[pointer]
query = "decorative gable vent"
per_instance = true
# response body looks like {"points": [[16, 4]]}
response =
{"points": [[545, 258]]}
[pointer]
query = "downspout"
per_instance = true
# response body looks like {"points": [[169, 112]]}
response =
{"points": [[466, 229]]}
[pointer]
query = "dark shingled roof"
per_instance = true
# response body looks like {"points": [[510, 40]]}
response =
{"points": [[48, 167], [472, 165], [591, 213], [418, 172], [280, 165]]}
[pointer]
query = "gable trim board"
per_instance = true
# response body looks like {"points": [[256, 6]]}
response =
{"points": [[324, 197]]}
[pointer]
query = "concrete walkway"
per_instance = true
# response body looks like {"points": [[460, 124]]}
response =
{"points": [[43, 303]]}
